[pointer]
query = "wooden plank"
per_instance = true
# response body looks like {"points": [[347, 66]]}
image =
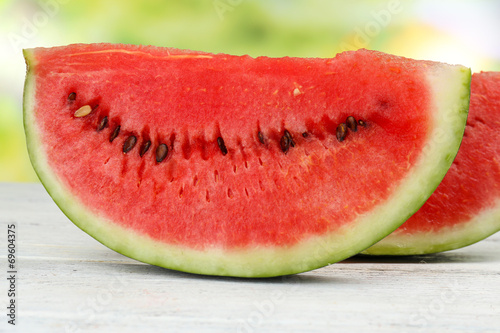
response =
{"points": [[68, 282]]}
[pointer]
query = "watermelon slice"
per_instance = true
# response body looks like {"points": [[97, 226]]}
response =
{"points": [[233, 165], [465, 208]]}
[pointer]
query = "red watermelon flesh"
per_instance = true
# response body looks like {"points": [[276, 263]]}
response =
{"points": [[465, 208], [251, 168]]}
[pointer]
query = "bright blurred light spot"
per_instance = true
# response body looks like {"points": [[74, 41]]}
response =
{"points": [[474, 23], [426, 42]]}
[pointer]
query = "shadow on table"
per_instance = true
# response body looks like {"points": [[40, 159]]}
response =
{"points": [[436, 258], [156, 272], [313, 277]]}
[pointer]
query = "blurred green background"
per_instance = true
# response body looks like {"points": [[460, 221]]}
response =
{"points": [[465, 32]]}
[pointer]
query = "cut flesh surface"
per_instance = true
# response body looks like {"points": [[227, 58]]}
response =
{"points": [[465, 208], [249, 171]]}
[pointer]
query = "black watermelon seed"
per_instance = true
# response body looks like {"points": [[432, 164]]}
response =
{"points": [[285, 143], [341, 132], [289, 136], [102, 124], [144, 148], [361, 123], [129, 144], [261, 137], [351, 123], [115, 133], [222, 145], [72, 96], [161, 152], [305, 134]]}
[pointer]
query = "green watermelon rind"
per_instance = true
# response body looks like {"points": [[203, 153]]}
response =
{"points": [[481, 226], [451, 89]]}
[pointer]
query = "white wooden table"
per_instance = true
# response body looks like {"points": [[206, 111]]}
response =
{"points": [[68, 282]]}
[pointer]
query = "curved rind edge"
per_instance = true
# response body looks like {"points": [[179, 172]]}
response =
{"points": [[481, 226], [316, 252], [484, 224]]}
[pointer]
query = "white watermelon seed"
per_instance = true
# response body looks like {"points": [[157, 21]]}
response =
{"points": [[83, 111]]}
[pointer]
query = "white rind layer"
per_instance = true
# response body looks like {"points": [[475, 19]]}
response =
{"points": [[450, 88]]}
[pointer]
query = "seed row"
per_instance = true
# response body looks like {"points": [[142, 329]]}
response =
{"points": [[286, 141]]}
